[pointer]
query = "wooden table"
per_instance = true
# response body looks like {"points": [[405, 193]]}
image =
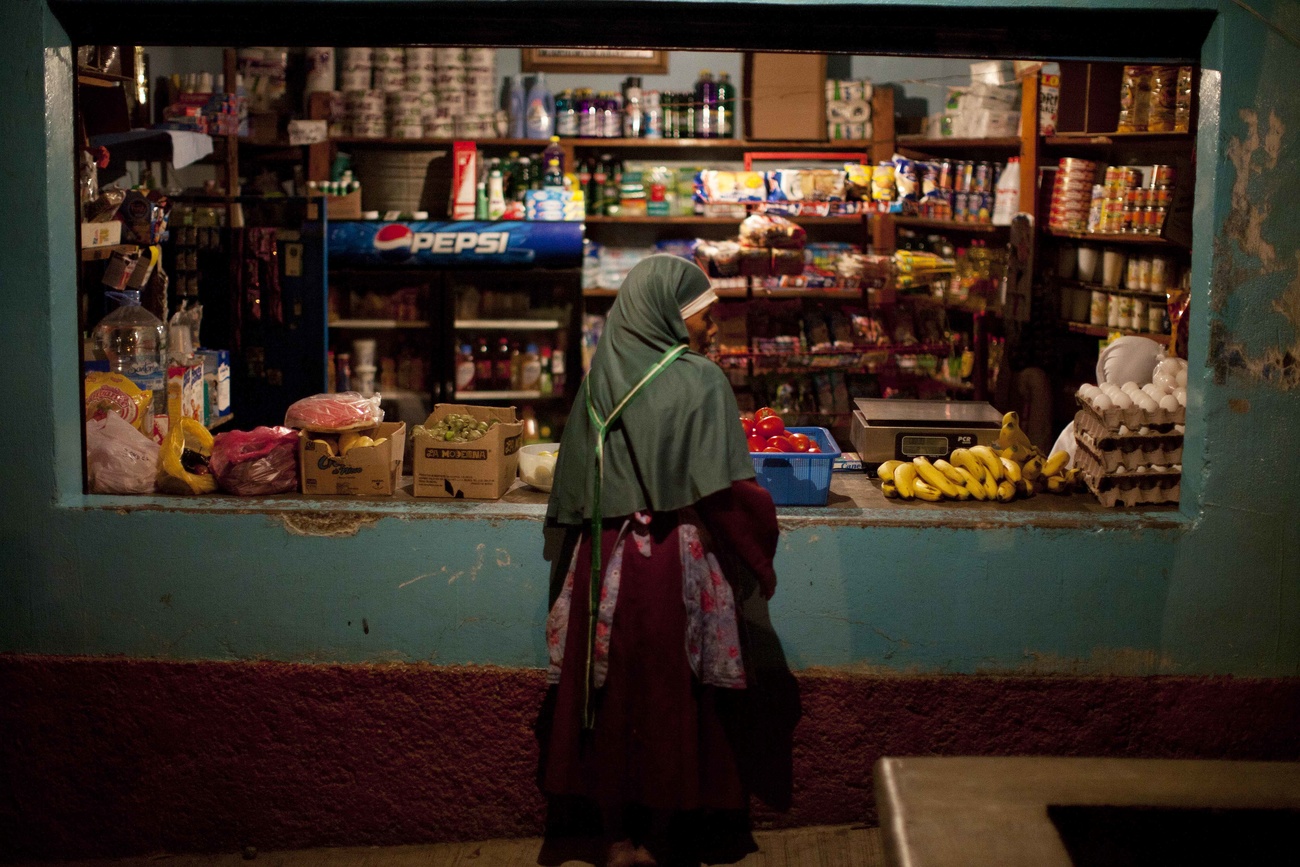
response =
{"points": [[944, 812]]}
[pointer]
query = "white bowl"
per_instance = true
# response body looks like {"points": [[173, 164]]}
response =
{"points": [[538, 469]]}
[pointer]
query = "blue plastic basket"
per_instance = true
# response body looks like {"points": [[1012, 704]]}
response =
{"points": [[799, 478]]}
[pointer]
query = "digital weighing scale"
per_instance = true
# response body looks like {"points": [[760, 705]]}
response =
{"points": [[884, 430]]}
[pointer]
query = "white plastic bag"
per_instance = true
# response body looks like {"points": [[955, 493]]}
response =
{"points": [[119, 458]]}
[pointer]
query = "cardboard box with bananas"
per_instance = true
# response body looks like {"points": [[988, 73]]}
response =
{"points": [[359, 463], [466, 452]]}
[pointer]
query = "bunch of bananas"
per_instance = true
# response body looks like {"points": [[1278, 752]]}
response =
{"points": [[1015, 468]]}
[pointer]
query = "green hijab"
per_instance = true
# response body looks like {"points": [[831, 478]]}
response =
{"points": [[678, 440]]}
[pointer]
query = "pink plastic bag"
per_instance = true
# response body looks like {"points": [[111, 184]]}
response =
{"points": [[347, 410], [256, 463]]}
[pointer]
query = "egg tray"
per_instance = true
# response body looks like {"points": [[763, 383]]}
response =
{"points": [[1128, 450], [1130, 488], [1134, 417]]}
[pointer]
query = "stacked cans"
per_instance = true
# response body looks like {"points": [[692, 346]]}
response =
{"points": [[1072, 194], [1132, 200], [419, 92]]}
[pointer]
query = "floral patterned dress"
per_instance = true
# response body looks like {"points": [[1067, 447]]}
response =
{"points": [[668, 657]]}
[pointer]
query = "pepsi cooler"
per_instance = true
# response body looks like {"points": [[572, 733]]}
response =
{"points": [[884, 430]]}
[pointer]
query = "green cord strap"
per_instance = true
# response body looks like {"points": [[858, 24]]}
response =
{"points": [[597, 517]]}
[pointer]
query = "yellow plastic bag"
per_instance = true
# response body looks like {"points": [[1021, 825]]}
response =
{"points": [[113, 392], [183, 463]]}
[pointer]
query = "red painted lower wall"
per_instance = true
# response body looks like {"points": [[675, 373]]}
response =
{"points": [[107, 757]]}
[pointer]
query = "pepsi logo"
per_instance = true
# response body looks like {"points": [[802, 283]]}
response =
{"points": [[394, 241]]}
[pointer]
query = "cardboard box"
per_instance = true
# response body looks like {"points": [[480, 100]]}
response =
{"points": [[216, 384], [106, 234], [346, 207], [364, 472], [483, 469], [185, 392], [785, 96]]}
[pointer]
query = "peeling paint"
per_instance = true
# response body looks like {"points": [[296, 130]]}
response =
{"points": [[329, 524]]}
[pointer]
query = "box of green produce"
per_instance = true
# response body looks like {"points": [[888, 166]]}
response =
{"points": [[466, 452]]}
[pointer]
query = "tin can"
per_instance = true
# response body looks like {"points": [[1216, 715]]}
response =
{"points": [[1126, 310], [965, 172], [1112, 310], [1156, 318], [980, 178], [1139, 316], [1097, 310], [1162, 176], [946, 179]]}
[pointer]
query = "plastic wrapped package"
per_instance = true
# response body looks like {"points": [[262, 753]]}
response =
{"points": [[120, 459], [766, 230], [183, 462], [348, 410], [256, 463]]}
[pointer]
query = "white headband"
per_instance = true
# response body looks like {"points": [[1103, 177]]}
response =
{"points": [[698, 303]]}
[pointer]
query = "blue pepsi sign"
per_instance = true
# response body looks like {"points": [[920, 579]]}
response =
{"points": [[498, 243]]}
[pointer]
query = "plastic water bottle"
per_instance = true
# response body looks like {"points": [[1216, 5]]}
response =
{"points": [[706, 105], [135, 343], [553, 165]]}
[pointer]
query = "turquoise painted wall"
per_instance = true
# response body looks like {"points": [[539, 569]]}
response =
{"points": [[1213, 589]]}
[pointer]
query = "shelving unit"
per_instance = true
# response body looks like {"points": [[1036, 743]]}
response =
{"points": [[507, 324], [378, 324], [1098, 238], [1106, 331]]}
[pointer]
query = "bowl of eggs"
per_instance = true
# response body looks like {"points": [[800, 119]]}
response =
{"points": [[537, 464]]}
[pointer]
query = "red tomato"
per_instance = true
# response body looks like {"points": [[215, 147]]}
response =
{"points": [[801, 442], [814, 449], [756, 443], [776, 451], [769, 426], [747, 425], [763, 413], [780, 443]]}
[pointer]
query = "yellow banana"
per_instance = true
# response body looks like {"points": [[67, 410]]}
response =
{"points": [[1011, 434], [967, 461], [1053, 465], [1032, 468], [934, 477], [1006, 492], [886, 470], [986, 456], [360, 442], [1073, 476], [927, 492], [1058, 485], [1011, 468], [380, 441], [962, 494], [950, 471], [346, 439], [889, 489], [1026, 488], [904, 479], [990, 487], [973, 484], [325, 445]]}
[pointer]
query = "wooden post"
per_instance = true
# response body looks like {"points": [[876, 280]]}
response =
{"points": [[1029, 145]]}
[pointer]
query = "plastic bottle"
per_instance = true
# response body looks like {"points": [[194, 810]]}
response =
{"points": [[632, 114], [465, 369], [596, 192], [135, 343], [483, 364], [557, 371], [501, 366], [539, 118], [553, 165], [343, 376], [516, 365], [496, 205], [530, 369], [612, 117], [584, 182], [652, 124], [566, 114], [516, 106], [588, 111], [706, 105], [612, 192], [544, 381], [725, 125]]}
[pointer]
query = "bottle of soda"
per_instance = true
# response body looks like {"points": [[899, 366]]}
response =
{"points": [[612, 193], [706, 105], [687, 121], [483, 376], [596, 194], [725, 125], [632, 119], [584, 182], [502, 372], [668, 110], [465, 369]]}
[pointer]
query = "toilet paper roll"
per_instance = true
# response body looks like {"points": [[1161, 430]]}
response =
{"points": [[355, 79], [449, 77], [388, 80], [453, 100], [320, 69], [418, 79], [480, 57], [442, 128], [480, 79], [408, 130], [481, 103], [848, 111], [367, 129], [357, 58], [417, 57], [449, 56], [389, 55], [363, 100]]}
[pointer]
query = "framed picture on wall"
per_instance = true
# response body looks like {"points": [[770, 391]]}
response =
{"points": [[632, 60]]}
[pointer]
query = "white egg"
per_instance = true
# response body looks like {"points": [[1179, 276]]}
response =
{"points": [[1164, 382], [1153, 391], [1180, 394], [1168, 366], [1102, 403], [1169, 402], [1087, 391], [1123, 401], [1181, 378], [1130, 387], [1147, 404]]}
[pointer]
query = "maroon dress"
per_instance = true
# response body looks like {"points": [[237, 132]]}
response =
{"points": [[662, 739]]}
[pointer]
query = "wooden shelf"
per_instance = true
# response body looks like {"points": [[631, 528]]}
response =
{"points": [[947, 225], [1139, 240], [1092, 139], [692, 220], [646, 143], [225, 419], [506, 395], [1105, 331], [507, 324], [95, 78], [378, 324]]}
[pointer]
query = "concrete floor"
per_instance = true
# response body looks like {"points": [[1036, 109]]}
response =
{"points": [[825, 846]]}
